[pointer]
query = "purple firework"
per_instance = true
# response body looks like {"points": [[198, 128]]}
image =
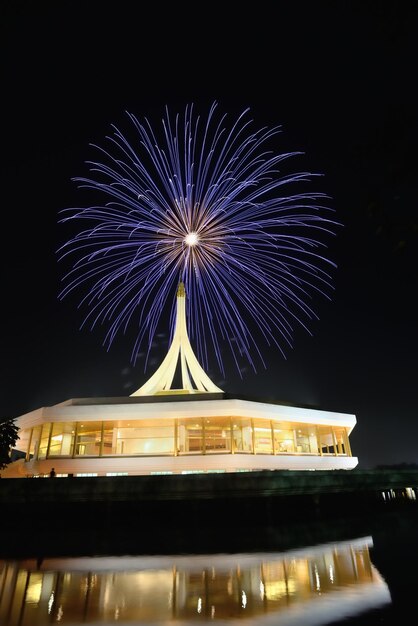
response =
{"points": [[203, 202]]}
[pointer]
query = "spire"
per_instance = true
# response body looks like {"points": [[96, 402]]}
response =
{"points": [[194, 379]]}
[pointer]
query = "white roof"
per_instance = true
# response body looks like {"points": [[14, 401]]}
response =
{"points": [[100, 410]]}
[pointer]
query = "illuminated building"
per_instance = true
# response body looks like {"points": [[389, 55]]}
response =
{"points": [[196, 428]]}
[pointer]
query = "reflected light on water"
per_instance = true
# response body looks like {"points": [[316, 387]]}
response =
{"points": [[310, 586]]}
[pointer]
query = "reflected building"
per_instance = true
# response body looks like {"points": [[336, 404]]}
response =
{"points": [[315, 585], [194, 428]]}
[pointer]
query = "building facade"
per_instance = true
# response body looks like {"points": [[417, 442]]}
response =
{"points": [[196, 428], [180, 434]]}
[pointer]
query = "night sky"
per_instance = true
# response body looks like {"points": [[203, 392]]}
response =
{"points": [[339, 77]]}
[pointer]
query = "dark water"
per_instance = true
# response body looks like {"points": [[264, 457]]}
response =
{"points": [[354, 577]]}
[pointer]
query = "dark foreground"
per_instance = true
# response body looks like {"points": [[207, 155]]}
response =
{"points": [[198, 512]]}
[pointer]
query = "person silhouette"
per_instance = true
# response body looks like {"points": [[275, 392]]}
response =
{"points": [[52, 473]]}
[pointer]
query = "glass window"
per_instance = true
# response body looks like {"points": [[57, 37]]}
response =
{"points": [[34, 443], [43, 442], [62, 439], [313, 439], [284, 441], [190, 436], [340, 433], [242, 434], [218, 434], [143, 437], [306, 439], [326, 440], [88, 439], [87, 474], [109, 438], [262, 437]]}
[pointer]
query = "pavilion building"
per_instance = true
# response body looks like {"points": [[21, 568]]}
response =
{"points": [[163, 430]]}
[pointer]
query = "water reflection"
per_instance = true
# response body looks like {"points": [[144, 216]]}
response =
{"points": [[308, 586]]}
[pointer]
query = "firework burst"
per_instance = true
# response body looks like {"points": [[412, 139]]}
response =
{"points": [[205, 202]]}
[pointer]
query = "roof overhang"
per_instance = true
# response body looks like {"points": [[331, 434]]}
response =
{"points": [[120, 409]]}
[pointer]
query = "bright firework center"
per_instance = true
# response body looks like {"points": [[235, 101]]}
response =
{"points": [[161, 430]]}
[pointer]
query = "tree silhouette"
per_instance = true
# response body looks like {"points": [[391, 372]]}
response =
{"points": [[8, 438]]}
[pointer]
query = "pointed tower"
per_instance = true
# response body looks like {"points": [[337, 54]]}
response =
{"points": [[161, 430], [193, 377]]}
